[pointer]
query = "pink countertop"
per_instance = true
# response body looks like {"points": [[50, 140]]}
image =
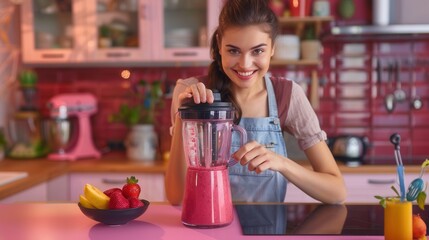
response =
{"points": [[63, 221]]}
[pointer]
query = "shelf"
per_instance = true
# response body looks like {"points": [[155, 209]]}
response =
{"points": [[300, 22], [276, 62], [296, 20], [391, 29]]}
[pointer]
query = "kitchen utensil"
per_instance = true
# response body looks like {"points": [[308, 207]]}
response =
{"points": [[378, 72], [389, 99], [416, 101], [399, 93], [415, 187], [396, 139], [349, 149], [314, 88], [62, 108], [207, 135]]}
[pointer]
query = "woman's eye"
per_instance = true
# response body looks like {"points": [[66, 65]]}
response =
{"points": [[233, 51], [258, 51]]}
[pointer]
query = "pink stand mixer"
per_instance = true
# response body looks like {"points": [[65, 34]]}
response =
{"points": [[207, 132], [62, 108]]}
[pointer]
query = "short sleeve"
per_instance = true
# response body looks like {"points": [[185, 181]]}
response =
{"points": [[302, 121]]}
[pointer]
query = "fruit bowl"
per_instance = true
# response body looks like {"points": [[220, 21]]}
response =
{"points": [[114, 216]]}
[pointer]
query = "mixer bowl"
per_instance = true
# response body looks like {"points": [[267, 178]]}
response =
{"points": [[59, 134]]}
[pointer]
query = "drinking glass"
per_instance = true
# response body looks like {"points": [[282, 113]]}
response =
{"points": [[398, 220]]}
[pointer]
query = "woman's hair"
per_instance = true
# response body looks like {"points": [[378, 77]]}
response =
{"points": [[237, 13]]}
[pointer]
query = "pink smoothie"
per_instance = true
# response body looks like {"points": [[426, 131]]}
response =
{"points": [[207, 201]]}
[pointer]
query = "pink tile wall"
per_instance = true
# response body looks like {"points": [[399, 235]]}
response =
{"points": [[355, 100], [111, 90], [351, 97]]}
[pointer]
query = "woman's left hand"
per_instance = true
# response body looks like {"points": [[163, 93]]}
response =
{"points": [[257, 157]]}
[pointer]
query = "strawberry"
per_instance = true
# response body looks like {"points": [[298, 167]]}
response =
{"points": [[109, 192], [135, 203], [131, 188], [118, 201]]}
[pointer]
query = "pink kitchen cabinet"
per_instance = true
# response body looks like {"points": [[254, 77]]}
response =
{"points": [[183, 28], [152, 184], [51, 33], [118, 32], [361, 187], [54, 190]]}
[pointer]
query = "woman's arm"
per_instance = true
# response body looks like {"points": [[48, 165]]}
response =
{"points": [[176, 168], [324, 181]]}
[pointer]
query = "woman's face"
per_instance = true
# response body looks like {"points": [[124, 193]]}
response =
{"points": [[246, 53]]}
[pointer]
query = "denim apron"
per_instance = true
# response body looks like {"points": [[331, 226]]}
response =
{"points": [[268, 186]]}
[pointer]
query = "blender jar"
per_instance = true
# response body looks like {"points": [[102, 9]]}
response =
{"points": [[207, 132]]}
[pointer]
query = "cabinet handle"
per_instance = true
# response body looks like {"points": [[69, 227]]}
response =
{"points": [[115, 55], [185, 54], [113, 181], [381, 181], [52, 55]]}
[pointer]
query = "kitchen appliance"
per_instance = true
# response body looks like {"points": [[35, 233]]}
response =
{"points": [[24, 127], [207, 131], [63, 108], [349, 149]]}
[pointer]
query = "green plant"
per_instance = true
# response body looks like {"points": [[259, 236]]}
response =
{"points": [[144, 100], [3, 142], [104, 31], [309, 33]]}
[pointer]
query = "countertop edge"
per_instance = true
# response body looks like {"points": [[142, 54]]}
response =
{"points": [[42, 170]]}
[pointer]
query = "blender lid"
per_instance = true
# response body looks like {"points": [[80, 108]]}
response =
{"points": [[215, 110]]}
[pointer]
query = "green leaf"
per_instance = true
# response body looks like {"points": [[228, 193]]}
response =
{"points": [[396, 191], [379, 197], [425, 163], [421, 199]]}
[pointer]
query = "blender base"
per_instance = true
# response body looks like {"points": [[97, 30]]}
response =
{"points": [[207, 201]]}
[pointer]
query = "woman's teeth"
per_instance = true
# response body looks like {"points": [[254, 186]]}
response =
{"points": [[245, 74]]}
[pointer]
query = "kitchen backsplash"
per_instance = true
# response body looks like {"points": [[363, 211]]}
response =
{"points": [[352, 97]]}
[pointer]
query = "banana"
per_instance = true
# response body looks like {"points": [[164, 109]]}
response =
{"points": [[84, 202], [96, 197]]}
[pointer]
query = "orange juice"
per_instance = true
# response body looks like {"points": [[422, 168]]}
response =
{"points": [[398, 223]]}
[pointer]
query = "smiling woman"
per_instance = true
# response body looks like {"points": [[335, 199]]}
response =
{"points": [[241, 49]]}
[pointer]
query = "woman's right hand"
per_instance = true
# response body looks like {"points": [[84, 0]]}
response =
{"points": [[198, 92]]}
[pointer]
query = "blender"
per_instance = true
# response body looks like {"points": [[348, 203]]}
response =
{"points": [[207, 132]]}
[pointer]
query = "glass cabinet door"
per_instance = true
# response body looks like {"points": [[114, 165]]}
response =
{"points": [[118, 30], [185, 28], [50, 29]]}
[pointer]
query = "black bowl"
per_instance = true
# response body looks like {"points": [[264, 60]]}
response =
{"points": [[114, 216]]}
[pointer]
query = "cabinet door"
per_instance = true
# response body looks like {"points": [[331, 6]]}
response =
{"points": [[183, 29], [296, 195], [37, 193], [152, 184], [52, 31], [361, 188], [119, 31]]}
